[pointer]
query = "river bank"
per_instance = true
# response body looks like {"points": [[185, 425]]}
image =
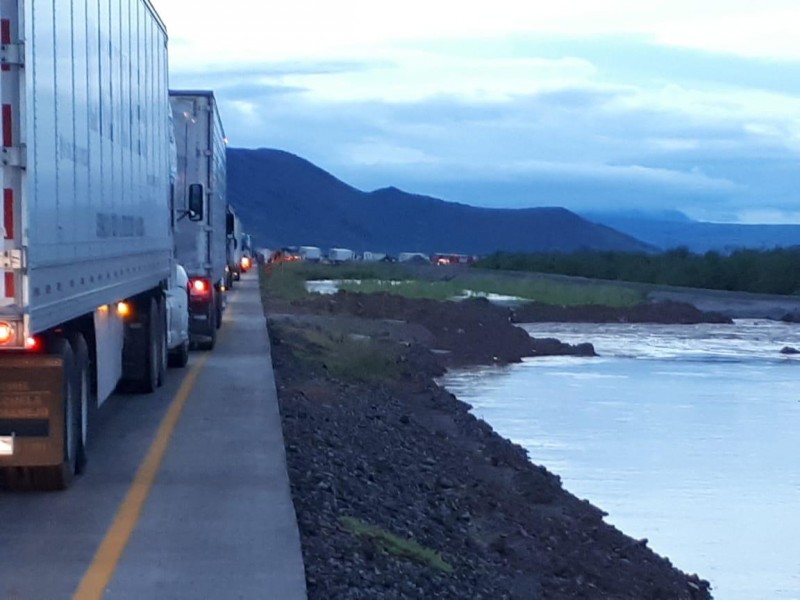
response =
{"points": [[401, 492]]}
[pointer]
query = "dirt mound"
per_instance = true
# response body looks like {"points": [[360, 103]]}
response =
{"points": [[469, 332], [666, 312]]}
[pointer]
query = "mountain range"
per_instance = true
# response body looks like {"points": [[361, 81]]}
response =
{"points": [[672, 229], [284, 200]]}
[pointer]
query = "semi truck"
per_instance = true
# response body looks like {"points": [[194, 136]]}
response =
{"points": [[89, 284], [311, 253], [248, 254], [199, 194], [340, 255], [234, 246]]}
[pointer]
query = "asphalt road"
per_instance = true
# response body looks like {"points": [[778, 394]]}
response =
{"points": [[186, 494]]}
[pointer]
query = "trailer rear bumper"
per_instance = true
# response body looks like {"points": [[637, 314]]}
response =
{"points": [[203, 319], [31, 410]]}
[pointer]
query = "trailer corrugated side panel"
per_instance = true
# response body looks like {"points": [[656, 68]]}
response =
{"points": [[200, 140], [93, 109]]}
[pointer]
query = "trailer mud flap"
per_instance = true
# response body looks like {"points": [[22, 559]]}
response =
{"points": [[31, 411]]}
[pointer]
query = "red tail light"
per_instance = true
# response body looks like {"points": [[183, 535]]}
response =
{"points": [[199, 287]]}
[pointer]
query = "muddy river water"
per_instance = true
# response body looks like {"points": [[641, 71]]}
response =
{"points": [[688, 436]]}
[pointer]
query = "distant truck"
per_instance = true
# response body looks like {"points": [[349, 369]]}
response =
{"points": [[340, 255], [373, 256], [413, 257], [248, 254], [201, 239], [90, 293], [233, 247], [310, 253], [446, 259]]}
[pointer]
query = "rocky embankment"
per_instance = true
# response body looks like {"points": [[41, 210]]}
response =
{"points": [[401, 492]]}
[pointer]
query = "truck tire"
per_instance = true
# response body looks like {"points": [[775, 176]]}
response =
{"points": [[179, 357], [149, 381], [162, 341], [85, 395], [211, 339], [60, 477], [142, 350]]}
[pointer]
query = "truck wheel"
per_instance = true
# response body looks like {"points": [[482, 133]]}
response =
{"points": [[140, 352], [162, 342], [179, 357], [147, 382], [85, 399], [60, 477], [211, 338], [150, 379]]}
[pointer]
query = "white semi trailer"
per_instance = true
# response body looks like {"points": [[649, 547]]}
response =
{"points": [[87, 257], [200, 233]]}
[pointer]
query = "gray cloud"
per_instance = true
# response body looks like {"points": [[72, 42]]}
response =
{"points": [[581, 146]]}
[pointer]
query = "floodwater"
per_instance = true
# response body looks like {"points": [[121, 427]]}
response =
{"points": [[688, 436], [331, 286]]}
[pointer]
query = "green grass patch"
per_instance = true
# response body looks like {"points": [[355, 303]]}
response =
{"points": [[345, 356], [287, 281], [547, 291], [282, 282], [395, 545], [350, 270], [434, 290], [564, 293]]}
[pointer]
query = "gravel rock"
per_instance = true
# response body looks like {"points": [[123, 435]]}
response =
{"points": [[408, 457]]}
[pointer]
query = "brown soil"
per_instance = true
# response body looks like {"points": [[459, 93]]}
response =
{"points": [[407, 456], [665, 312]]}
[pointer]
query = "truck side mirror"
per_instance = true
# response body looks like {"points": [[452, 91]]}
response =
{"points": [[229, 223], [196, 202]]}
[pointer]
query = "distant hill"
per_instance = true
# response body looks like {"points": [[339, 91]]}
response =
{"points": [[672, 230], [284, 200]]}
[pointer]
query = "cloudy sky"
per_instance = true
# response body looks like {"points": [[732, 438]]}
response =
{"points": [[644, 104]]}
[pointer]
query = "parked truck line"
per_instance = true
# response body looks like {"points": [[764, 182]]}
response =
{"points": [[200, 232]]}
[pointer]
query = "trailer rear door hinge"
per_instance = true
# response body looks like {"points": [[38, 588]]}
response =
{"points": [[11, 259], [13, 156], [12, 54]]}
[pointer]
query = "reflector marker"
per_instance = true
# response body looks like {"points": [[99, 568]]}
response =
{"points": [[9, 282], [8, 139], [8, 213], [5, 37]]}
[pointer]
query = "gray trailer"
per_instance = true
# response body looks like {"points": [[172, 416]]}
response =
{"points": [[200, 231], [234, 246], [87, 248]]}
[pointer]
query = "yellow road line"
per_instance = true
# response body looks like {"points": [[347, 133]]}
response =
{"points": [[105, 560], [104, 563]]}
